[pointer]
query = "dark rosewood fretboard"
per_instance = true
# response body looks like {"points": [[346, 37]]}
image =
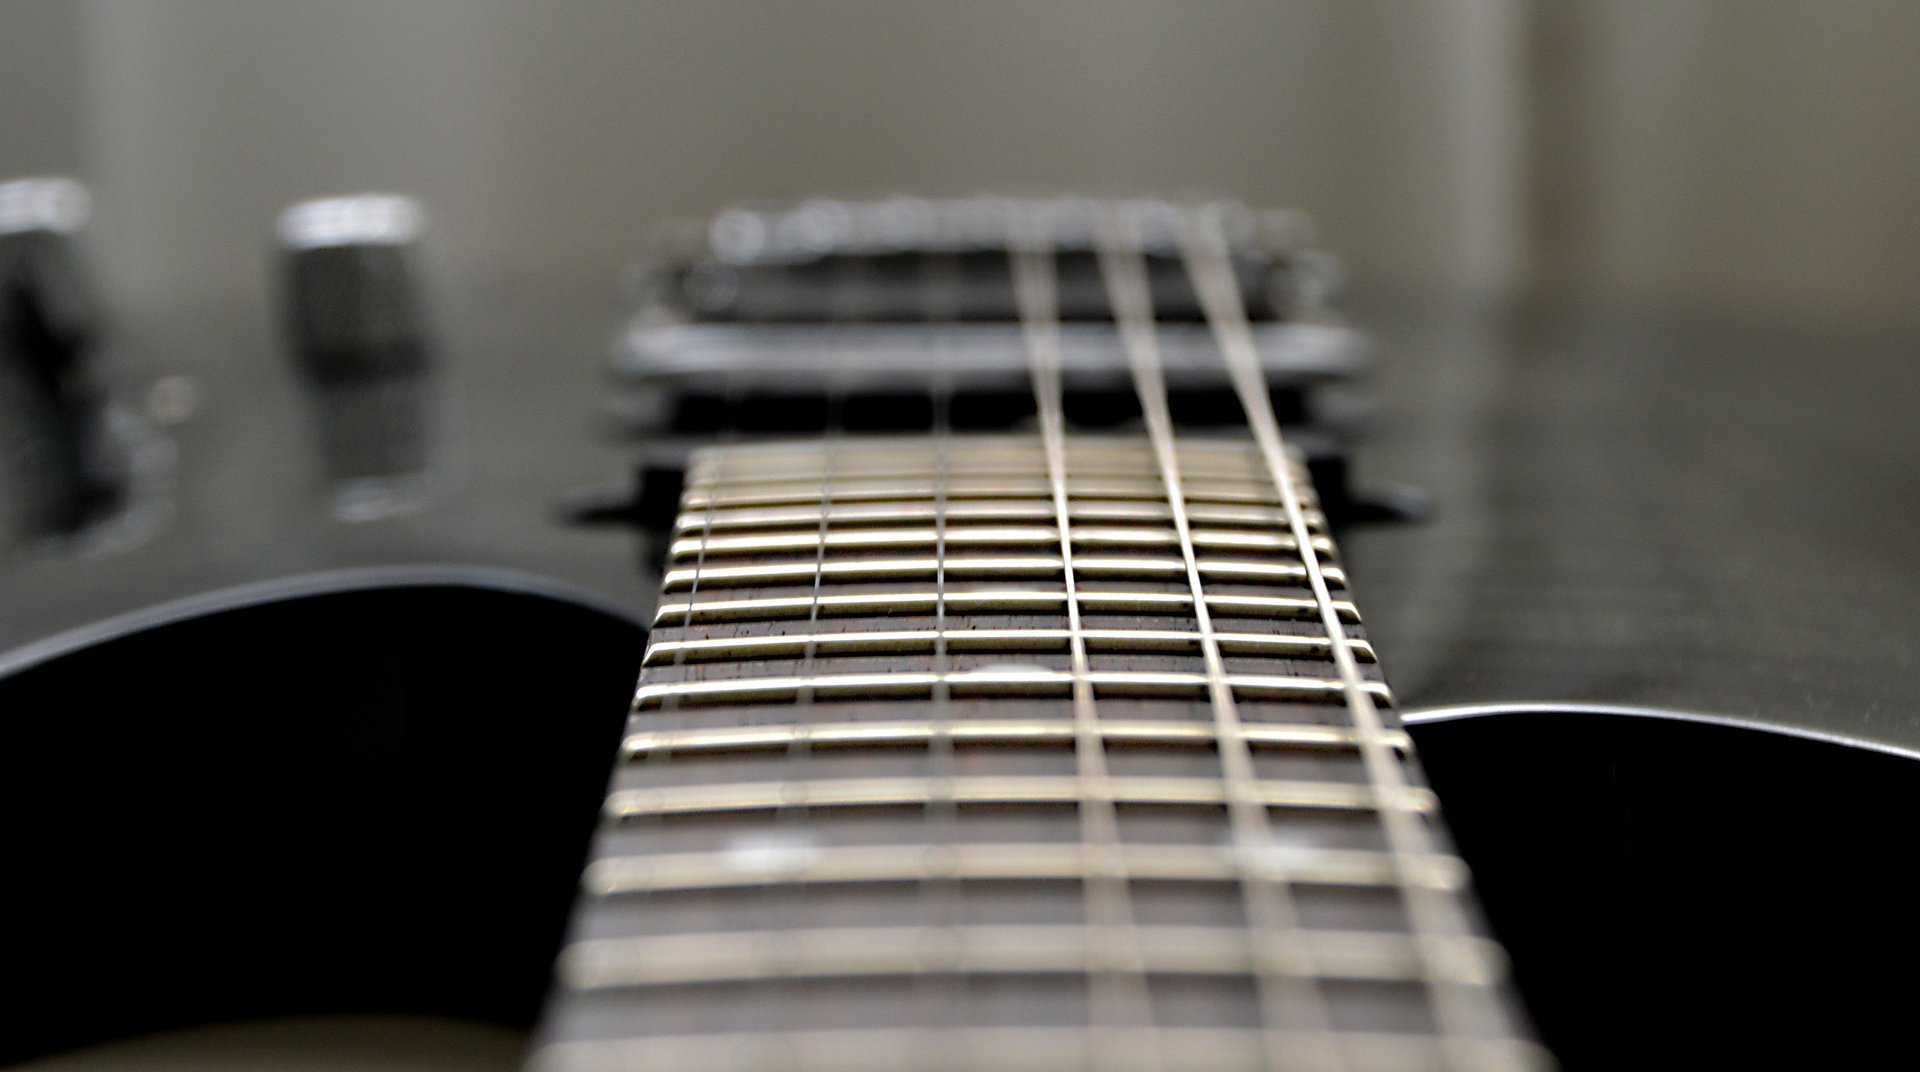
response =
{"points": [[917, 780]]}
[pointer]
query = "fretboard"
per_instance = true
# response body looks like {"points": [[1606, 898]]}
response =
{"points": [[942, 758]]}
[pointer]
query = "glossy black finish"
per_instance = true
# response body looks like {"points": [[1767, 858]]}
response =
{"points": [[379, 801], [360, 801], [1709, 513], [248, 495], [1695, 512], [1679, 894], [1677, 511]]}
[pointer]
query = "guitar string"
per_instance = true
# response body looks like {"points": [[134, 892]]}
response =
{"points": [[1464, 1015], [1118, 981], [653, 767], [1293, 1003], [844, 299], [1196, 264], [774, 897], [941, 892]]}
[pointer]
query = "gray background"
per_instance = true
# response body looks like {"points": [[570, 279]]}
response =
{"points": [[1705, 501], [1732, 155], [1679, 471]]}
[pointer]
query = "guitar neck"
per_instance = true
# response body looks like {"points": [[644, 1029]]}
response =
{"points": [[961, 752]]}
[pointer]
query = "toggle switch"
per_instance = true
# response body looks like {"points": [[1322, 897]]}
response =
{"points": [[356, 323]]}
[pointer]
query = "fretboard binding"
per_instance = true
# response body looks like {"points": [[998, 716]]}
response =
{"points": [[893, 792], [975, 566], [1034, 681], [980, 536], [849, 952], [994, 601], [807, 518], [882, 864], [1020, 1049], [920, 641]]}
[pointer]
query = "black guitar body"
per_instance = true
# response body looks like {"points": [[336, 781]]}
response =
{"points": [[1689, 891], [366, 800], [403, 832], [362, 775]]}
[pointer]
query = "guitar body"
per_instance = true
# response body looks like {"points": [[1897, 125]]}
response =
{"points": [[402, 829], [280, 841]]}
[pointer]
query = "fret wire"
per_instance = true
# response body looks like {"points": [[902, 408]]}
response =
{"points": [[985, 730], [843, 952], [1001, 1049], [941, 640], [801, 488], [732, 518], [1208, 264], [1117, 983], [724, 797], [1017, 862], [983, 536], [1035, 491], [1020, 681], [855, 570], [998, 600], [1289, 1004]]}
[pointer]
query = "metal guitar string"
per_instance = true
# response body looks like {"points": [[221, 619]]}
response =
{"points": [[1293, 1004], [774, 895], [939, 888], [731, 389], [844, 306], [1118, 980], [1469, 1017], [1114, 951]]}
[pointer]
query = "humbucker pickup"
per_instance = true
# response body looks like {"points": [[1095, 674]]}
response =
{"points": [[901, 315]]}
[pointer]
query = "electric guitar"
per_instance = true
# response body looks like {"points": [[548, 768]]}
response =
{"points": [[1004, 703]]}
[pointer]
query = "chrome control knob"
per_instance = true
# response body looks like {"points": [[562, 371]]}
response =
{"points": [[56, 476], [357, 324]]}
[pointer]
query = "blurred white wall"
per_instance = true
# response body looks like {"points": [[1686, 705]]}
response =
{"points": [[1745, 153], [1761, 155], [548, 138]]}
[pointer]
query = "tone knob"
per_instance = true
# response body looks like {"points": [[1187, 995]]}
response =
{"points": [[354, 305], [52, 403], [357, 324]]}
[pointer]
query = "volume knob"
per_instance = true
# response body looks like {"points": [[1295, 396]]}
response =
{"points": [[353, 296], [58, 471], [358, 329]]}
